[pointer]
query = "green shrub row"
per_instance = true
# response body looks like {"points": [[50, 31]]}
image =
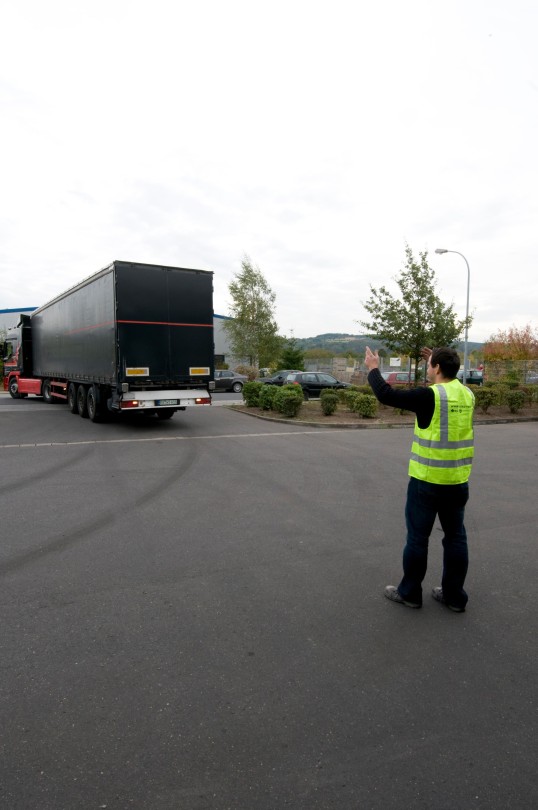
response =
{"points": [[286, 399], [499, 394]]}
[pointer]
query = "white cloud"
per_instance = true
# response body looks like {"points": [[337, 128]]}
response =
{"points": [[316, 138]]}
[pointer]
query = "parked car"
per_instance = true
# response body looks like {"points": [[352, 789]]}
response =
{"points": [[229, 381], [474, 376], [398, 377], [313, 383], [278, 378]]}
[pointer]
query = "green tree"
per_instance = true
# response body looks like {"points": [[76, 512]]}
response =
{"points": [[252, 330], [417, 317], [292, 356]]}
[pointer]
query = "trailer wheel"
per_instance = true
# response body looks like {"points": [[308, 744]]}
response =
{"points": [[93, 405], [82, 402], [14, 388], [166, 413], [46, 392], [72, 398]]}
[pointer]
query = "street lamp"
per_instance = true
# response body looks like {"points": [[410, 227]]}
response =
{"points": [[443, 250]]}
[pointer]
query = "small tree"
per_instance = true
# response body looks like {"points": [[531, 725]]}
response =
{"points": [[292, 356], [252, 330], [417, 317]]}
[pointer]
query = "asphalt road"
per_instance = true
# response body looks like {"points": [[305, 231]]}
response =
{"points": [[193, 619]]}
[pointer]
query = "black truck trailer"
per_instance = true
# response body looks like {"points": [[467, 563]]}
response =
{"points": [[131, 338]]}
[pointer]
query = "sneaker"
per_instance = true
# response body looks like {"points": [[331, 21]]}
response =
{"points": [[437, 594], [393, 594]]}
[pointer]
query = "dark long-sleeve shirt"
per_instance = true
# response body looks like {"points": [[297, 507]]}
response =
{"points": [[420, 401]]}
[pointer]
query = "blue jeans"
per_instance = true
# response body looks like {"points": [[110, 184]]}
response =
{"points": [[424, 502]]}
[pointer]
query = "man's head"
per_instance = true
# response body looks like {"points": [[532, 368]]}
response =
{"points": [[443, 363]]}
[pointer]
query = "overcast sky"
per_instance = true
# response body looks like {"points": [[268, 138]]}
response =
{"points": [[316, 137]]}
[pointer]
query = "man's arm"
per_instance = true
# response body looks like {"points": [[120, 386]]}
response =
{"points": [[419, 400]]}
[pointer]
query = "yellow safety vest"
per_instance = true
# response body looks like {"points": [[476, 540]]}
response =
{"points": [[443, 452]]}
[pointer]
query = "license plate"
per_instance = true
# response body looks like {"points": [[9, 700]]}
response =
{"points": [[167, 402]]}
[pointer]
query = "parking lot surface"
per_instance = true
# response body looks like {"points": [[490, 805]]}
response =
{"points": [[193, 618]]}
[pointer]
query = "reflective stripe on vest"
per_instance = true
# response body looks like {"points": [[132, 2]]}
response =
{"points": [[443, 452]]}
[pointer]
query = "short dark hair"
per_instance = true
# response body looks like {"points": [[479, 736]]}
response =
{"points": [[448, 361]]}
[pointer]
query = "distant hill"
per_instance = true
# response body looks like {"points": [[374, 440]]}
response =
{"points": [[339, 343]]}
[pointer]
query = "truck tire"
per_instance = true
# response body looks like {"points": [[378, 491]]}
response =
{"points": [[46, 392], [82, 401], [14, 388], [72, 398], [93, 404], [166, 413]]}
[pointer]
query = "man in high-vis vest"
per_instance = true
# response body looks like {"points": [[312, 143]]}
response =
{"points": [[439, 470]]}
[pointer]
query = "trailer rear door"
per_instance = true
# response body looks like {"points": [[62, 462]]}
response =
{"points": [[164, 320]]}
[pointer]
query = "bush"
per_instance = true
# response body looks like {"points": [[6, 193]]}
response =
{"points": [[288, 400], [511, 379], [528, 393], [365, 405], [347, 395], [351, 399], [501, 393], [329, 402], [251, 393], [485, 397], [515, 400], [266, 397]]}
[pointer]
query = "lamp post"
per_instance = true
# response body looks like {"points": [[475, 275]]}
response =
{"points": [[443, 250]]}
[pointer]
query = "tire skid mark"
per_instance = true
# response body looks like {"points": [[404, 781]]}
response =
{"points": [[47, 473], [83, 532]]}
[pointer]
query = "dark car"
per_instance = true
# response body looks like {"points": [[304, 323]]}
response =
{"points": [[278, 378], [473, 376], [229, 381], [314, 382]]}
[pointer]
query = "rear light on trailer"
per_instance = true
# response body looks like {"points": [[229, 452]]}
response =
{"points": [[129, 403], [203, 400]]}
